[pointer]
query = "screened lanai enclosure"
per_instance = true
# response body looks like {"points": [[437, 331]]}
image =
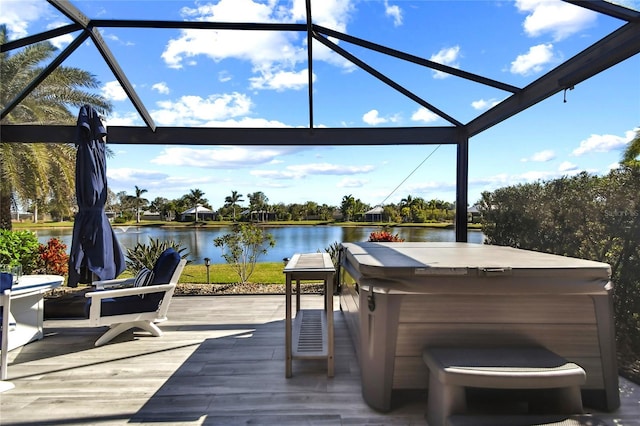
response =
{"points": [[320, 39]]}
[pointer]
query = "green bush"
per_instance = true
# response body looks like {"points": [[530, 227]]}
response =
{"points": [[243, 246], [19, 248], [143, 255], [585, 216]]}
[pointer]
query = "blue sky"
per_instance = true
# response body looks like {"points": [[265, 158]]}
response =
{"points": [[252, 79]]}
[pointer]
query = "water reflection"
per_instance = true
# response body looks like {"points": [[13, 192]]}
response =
{"points": [[289, 239]]}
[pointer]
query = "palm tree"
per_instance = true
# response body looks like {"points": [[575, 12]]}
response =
{"points": [[232, 201], [258, 202], [195, 198], [39, 173], [139, 201], [347, 207], [159, 205], [406, 202], [632, 152]]}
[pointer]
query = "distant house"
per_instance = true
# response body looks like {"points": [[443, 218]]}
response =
{"points": [[262, 216], [374, 215], [203, 213], [148, 215], [473, 214]]}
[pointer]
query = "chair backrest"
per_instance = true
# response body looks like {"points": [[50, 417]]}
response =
{"points": [[164, 304], [6, 281], [165, 267], [178, 271]]}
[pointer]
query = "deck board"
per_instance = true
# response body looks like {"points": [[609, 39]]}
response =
{"points": [[221, 361]]}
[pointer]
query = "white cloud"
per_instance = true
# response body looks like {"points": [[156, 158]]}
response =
{"points": [[161, 88], [281, 80], [448, 56], [154, 180], [330, 169], [111, 37], [428, 187], [273, 54], [198, 111], [225, 157], [113, 91], [245, 122], [484, 104], [373, 118], [61, 41], [128, 174], [274, 174], [394, 12], [224, 76], [567, 166], [424, 115], [534, 60], [300, 171], [352, 183], [554, 17], [490, 183], [541, 157], [18, 14], [126, 119], [327, 13], [603, 143]]}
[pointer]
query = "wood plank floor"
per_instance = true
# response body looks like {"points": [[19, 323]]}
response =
{"points": [[220, 362]]}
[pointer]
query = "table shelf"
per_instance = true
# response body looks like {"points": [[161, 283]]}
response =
{"points": [[310, 335]]}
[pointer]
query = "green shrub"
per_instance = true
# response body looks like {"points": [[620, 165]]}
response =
{"points": [[143, 255], [243, 246], [334, 252], [19, 248], [585, 216]]}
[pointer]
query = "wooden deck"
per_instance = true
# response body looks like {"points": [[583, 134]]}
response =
{"points": [[220, 362]]}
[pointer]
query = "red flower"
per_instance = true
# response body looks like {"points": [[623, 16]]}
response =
{"points": [[53, 257], [385, 236]]}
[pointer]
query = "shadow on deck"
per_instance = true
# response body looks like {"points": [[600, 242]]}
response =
{"points": [[220, 362]]}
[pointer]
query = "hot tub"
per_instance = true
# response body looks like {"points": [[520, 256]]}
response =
{"points": [[399, 298]]}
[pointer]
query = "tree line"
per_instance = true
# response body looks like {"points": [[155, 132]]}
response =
{"points": [[129, 207]]}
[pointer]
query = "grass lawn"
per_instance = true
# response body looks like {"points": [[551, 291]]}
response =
{"points": [[266, 273]]}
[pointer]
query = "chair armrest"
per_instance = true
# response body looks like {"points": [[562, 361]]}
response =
{"points": [[104, 294], [95, 310], [117, 283]]}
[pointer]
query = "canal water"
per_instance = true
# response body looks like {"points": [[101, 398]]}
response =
{"points": [[289, 239]]}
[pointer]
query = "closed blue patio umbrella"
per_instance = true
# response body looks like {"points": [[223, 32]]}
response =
{"points": [[94, 247]]}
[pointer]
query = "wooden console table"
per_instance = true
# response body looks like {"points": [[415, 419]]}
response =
{"points": [[311, 334]]}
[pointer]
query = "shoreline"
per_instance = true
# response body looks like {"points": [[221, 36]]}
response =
{"points": [[29, 226]]}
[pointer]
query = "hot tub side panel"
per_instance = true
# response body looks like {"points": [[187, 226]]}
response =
{"points": [[350, 307], [565, 324], [372, 320], [379, 313], [390, 338]]}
